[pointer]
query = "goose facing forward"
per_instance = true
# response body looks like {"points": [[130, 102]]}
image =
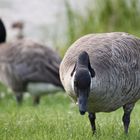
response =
{"points": [[102, 73], [28, 66]]}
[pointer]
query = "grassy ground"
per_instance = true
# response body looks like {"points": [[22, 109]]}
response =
{"points": [[56, 118]]}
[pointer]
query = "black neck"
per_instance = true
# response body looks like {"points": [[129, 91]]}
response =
{"points": [[83, 60], [84, 63], [2, 32]]}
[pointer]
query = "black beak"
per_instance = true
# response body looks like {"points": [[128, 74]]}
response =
{"points": [[82, 102]]}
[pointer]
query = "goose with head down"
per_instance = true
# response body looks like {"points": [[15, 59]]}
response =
{"points": [[102, 73]]}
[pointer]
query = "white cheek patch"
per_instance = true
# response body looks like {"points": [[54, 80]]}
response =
{"points": [[72, 81], [91, 85]]}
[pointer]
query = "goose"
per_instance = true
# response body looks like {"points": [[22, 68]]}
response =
{"points": [[101, 72], [27, 66], [19, 25]]}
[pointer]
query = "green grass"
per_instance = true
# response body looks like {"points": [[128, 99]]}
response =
{"points": [[56, 118]]}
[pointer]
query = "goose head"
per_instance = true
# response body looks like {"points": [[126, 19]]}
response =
{"points": [[19, 25], [2, 32], [81, 80]]}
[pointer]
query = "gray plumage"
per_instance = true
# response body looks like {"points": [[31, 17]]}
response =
{"points": [[24, 62], [115, 58]]}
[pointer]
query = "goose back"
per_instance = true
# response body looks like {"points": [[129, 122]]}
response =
{"points": [[25, 61]]}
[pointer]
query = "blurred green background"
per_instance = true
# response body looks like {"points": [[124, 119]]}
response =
{"points": [[103, 16], [58, 23]]}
